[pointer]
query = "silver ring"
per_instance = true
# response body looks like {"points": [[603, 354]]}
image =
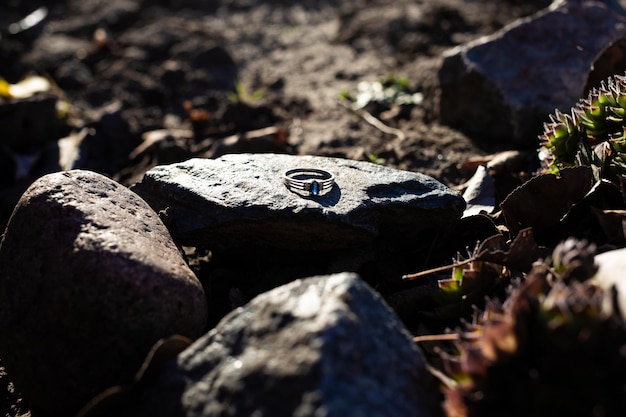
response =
{"points": [[309, 180]]}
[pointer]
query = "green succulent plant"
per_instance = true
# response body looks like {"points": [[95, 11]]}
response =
{"points": [[554, 348], [592, 134]]}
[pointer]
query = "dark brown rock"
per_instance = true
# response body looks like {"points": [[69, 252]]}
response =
{"points": [[89, 280]]}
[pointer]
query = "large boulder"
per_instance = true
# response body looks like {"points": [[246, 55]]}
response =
{"points": [[89, 280]]}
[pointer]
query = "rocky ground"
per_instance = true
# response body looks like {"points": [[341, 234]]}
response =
{"points": [[132, 84], [201, 73]]}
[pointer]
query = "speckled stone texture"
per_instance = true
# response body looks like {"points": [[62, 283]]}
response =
{"points": [[89, 280], [321, 346], [239, 203]]}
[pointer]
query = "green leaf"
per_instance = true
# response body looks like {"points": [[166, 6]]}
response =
{"points": [[449, 285]]}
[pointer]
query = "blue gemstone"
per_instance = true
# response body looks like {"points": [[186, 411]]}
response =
{"points": [[315, 188]]}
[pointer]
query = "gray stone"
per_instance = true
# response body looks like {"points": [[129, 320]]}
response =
{"points": [[321, 346], [503, 86], [89, 280], [239, 203], [611, 266]]}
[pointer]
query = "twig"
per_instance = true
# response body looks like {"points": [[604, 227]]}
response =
{"points": [[436, 337], [443, 378], [438, 269], [369, 118]]}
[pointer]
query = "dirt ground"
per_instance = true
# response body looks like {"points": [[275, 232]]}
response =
{"points": [[209, 70], [305, 56], [370, 41], [316, 53]]}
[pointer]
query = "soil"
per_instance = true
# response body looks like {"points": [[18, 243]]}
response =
{"points": [[215, 74]]}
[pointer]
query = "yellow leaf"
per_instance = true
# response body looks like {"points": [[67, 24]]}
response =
{"points": [[4, 88]]}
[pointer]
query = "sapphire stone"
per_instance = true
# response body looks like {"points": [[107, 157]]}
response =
{"points": [[315, 188]]}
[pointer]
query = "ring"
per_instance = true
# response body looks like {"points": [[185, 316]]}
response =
{"points": [[310, 180]]}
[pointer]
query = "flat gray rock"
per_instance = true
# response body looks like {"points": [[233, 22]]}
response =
{"points": [[239, 202], [503, 86], [321, 346], [90, 279]]}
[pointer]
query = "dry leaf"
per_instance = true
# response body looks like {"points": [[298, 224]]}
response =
{"points": [[543, 201], [480, 193], [28, 87]]}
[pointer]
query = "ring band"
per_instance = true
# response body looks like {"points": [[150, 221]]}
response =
{"points": [[309, 180]]}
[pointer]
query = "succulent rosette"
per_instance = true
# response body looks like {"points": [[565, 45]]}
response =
{"points": [[556, 347], [592, 134]]}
